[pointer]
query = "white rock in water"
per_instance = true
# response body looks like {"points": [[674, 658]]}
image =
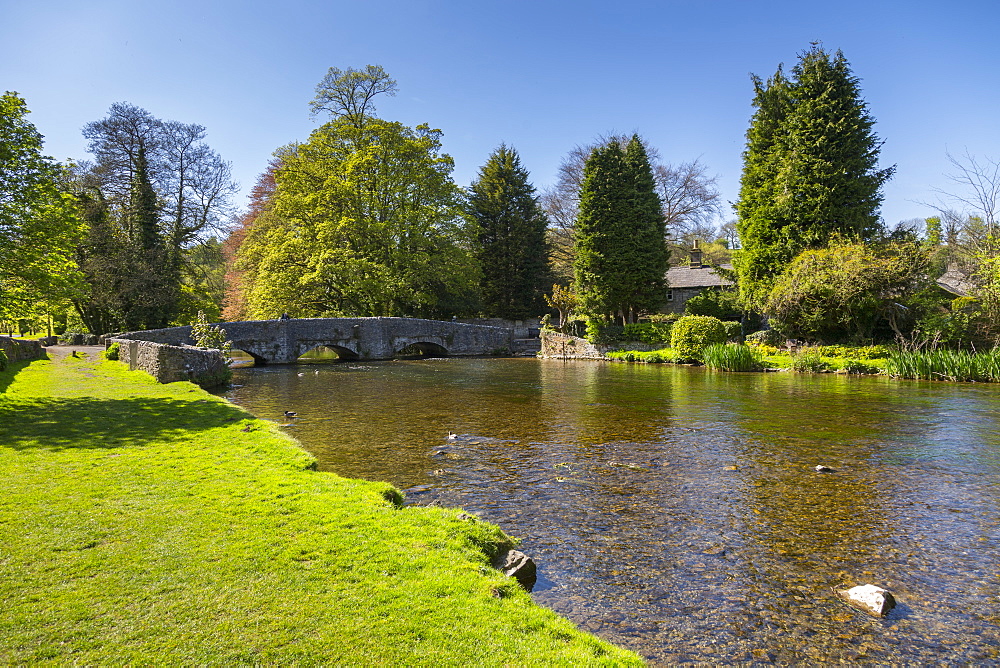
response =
{"points": [[871, 599]]}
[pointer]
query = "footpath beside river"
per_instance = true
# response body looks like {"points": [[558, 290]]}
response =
{"points": [[147, 523]]}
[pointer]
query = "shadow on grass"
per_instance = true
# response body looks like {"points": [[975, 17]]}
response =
{"points": [[7, 376], [107, 423]]}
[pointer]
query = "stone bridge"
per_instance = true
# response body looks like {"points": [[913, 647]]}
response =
{"points": [[284, 341]]}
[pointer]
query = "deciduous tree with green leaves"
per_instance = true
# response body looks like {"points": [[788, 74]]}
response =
{"points": [[38, 223], [810, 168], [365, 220], [510, 237], [850, 290]]}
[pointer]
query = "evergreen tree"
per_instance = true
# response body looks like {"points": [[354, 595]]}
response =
{"points": [[621, 254], [649, 255], [598, 268], [510, 238], [810, 168]]}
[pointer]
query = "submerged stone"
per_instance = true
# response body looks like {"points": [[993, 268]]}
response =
{"points": [[876, 601]]}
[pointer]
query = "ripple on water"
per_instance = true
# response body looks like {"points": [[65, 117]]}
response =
{"points": [[678, 512]]}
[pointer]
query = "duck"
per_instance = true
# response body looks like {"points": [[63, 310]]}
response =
{"points": [[452, 435], [290, 414]]}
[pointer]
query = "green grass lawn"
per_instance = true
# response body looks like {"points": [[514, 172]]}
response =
{"points": [[143, 524]]}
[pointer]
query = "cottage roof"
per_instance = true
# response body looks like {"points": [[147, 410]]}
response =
{"points": [[955, 281], [696, 277]]}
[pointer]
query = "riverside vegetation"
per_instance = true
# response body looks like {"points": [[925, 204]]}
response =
{"points": [[697, 339], [147, 522]]}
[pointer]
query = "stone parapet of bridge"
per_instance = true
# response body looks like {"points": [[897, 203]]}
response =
{"points": [[284, 341]]}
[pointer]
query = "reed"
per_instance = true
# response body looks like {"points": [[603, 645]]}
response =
{"points": [[945, 364], [732, 357]]}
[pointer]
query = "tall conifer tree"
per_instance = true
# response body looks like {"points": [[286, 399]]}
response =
{"points": [[621, 254], [649, 257], [510, 235], [810, 168]]}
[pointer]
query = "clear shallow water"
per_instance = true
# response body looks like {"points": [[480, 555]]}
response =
{"points": [[675, 511]]}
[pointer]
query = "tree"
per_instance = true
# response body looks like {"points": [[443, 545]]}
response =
{"points": [[620, 249], [348, 93], [810, 169], [365, 220], [562, 300], [649, 254], [236, 288], [510, 237], [850, 290], [38, 223], [154, 193], [972, 236], [690, 202]]}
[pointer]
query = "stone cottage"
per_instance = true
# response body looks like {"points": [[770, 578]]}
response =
{"points": [[686, 281]]}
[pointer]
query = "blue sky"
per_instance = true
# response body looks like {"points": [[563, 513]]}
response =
{"points": [[541, 76]]}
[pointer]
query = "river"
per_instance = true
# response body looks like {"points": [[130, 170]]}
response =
{"points": [[676, 511]]}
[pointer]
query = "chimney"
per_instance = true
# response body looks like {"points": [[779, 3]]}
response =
{"points": [[695, 256]]}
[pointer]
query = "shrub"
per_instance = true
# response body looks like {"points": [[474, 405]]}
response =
{"points": [[600, 331], [692, 333], [662, 318], [113, 351], [734, 330], [809, 359], [652, 357], [767, 337], [732, 357], [858, 353], [575, 327], [211, 336], [647, 332], [721, 304]]}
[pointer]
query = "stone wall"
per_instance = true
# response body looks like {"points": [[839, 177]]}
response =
{"points": [[168, 364], [522, 329], [21, 349], [564, 346]]}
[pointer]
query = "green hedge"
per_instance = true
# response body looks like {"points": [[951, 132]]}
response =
{"points": [[692, 333], [648, 332]]}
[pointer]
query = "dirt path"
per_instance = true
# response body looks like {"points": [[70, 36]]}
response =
{"points": [[60, 352]]}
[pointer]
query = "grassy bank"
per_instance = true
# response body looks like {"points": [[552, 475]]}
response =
{"points": [[146, 523], [732, 357]]}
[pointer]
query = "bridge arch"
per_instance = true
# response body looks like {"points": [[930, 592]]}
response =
{"points": [[343, 352], [258, 360], [422, 349]]}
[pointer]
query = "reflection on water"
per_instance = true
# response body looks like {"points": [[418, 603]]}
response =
{"points": [[676, 511]]}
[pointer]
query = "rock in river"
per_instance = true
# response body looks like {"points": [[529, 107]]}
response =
{"points": [[518, 565], [869, 598]]}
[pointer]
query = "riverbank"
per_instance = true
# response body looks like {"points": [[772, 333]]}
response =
{"points": [[158, 523]]}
